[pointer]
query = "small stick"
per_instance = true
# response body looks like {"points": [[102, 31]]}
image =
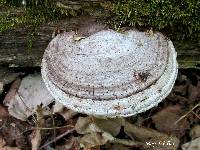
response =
{"points": [[187, 113], [51, 128], [57, 138], [196, 115]]}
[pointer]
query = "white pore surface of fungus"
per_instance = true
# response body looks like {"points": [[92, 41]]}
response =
{"points": [[110, 73]]}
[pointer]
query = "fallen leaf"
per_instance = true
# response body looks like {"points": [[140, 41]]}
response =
{"points": [[117, 146], [63, 111], [150, 137], [70, 144], [100, 138], [195, 132], [58, 107], [67, 113], [36, 139], [36, 136], [3, 112], [12, 92], [46, 144], [13, 131], [180, 89], [6, 77], [96, 138], [98, 147], [22, 101], [86, 125], [165, 121], [192, 145], [181, 78], [194, 92], [97, 133], [4, 147], [92, 124], [110, 125]]}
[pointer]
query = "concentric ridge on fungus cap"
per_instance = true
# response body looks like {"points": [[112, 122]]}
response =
{"points": [[109, 73]]}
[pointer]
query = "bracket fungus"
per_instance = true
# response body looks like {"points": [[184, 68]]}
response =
{"points": [[108, 73]]}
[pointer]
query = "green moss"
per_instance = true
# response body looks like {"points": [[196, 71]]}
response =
{"points": [[181, 18], [178, 19], [33, 13], [32, 39], [10, 21]]}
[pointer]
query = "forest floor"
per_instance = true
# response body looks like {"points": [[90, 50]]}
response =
{"points": [[25, 124]]}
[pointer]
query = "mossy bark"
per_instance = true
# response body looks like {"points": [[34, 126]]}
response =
{"points": [[188, 52], [24, 46]]}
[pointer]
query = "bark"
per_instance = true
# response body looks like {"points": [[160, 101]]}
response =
{"points": [[19, 48], [188, 52]]}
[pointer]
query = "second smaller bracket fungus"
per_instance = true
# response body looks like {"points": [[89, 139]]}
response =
{"points": [[108, 73]]}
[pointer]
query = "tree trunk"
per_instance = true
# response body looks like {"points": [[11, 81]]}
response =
{"points": [[22, 47]]}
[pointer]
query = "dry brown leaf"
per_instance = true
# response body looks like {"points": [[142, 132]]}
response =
{"points": [[100, 131], [4, 147], [58, 107], [23, 101], [194, 92], [91, 124], [13, 132], [178, 99], [192, 145], [181, 78], [71, 144], [165, 121], [93, 148], [3, 112], [95, 138], [117, 146], [63, 111], [111, 125], [86, 125], [36, 139], [180, 89], [6, 77], [12, 92], [195, 132], [36, 136], [97, 133], [140, 133], [150, 137], [68, 114]]}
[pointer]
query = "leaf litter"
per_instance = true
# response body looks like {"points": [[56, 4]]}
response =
{"points": [[35, 121]]}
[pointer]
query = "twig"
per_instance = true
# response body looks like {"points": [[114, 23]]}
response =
{"points": [[50, 128], [187, 113], [196, 115], [57, 138], [54, 130]]}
